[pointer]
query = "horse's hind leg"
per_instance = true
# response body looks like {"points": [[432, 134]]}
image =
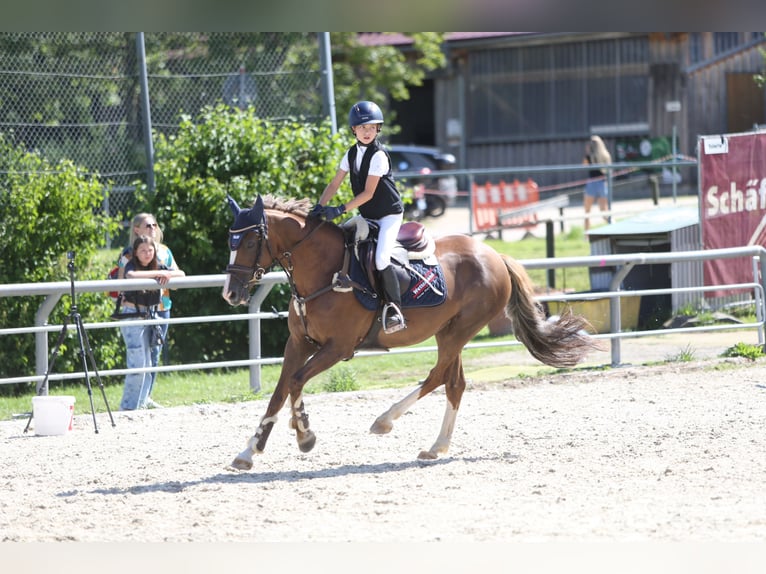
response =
{"points": [[454, 387], [451, 375], [385, 422]]}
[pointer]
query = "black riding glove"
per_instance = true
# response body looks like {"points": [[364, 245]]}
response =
{"points": [[331, 212], [316, 211]]}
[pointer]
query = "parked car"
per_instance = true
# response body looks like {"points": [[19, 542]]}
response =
{"points": [[425, 159]]}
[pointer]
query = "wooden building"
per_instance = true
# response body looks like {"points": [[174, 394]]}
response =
{"points": [[530, 99]]}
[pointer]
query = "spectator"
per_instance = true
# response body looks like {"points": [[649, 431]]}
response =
{"points": [[595, 188], [146, 224], [139, 339]]}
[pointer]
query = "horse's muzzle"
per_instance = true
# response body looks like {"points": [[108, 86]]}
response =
{"points": [[235, 299], [235, 290]]}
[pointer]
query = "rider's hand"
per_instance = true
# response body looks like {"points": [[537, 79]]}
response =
{"points": [[332, 211], [316, 211]]}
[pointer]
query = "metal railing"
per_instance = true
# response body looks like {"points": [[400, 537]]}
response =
{"points": [[622, 263]]}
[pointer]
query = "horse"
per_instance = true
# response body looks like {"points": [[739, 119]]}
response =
{"points": [[327, 325]]}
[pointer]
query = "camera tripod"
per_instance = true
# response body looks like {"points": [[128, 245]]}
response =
{"points": [[82, 337]]}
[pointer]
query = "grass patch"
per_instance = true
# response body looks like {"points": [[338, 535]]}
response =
{"points": [[570, 244], [389, 370], [685, 355]]}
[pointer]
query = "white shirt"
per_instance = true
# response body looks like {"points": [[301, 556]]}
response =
{"points": [[378, 164]]}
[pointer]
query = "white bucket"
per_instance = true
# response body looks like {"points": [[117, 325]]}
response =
{"points": [[53, 415]]}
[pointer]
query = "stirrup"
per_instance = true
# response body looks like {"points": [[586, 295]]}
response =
{"points": [[393, 320]]}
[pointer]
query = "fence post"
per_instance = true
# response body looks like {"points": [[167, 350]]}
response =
{"points": [[254, 329], [550, 247], [145, 109], [470, 204], [328, 89], [759, 302]]}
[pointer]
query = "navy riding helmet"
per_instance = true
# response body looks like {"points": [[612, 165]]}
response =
{"points": [[365, 113]]}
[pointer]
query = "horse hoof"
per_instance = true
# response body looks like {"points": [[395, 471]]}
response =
{"points": [[307, 443], [242, 464], [427, 455], [381, 427]]}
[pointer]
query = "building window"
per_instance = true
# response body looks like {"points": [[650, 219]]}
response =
{"points": [[695, 48], [725, 41]]}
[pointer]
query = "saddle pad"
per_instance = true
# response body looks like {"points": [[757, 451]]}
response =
{"points": [[418, 294]]}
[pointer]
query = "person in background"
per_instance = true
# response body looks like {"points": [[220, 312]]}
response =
{"points": [[595, 188], [377, 198], [146, 224], [140, 339]]}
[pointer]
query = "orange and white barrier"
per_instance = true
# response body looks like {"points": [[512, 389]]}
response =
{"points": [[489, 199]]}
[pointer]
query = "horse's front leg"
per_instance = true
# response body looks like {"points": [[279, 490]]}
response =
{"points": [[299, 421], [257, 443], [296, 353], [325, 358]]}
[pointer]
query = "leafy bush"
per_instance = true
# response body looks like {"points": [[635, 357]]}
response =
{"points": [[751, 352], [48, 210], [342, 379], [230, 151]]}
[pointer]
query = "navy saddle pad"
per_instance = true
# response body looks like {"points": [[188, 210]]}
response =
{"points": [[419, 292]]}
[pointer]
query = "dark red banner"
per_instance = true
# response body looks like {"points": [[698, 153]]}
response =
{"points": [[732, 202]]}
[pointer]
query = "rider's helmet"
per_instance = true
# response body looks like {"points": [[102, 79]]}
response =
{"points": [[365, 113]]}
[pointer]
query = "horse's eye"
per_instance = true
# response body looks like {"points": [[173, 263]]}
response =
{"points": [[251, 244]]}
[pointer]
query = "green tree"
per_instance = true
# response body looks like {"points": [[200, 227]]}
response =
{"points": [[47, 210], [376, 73]]}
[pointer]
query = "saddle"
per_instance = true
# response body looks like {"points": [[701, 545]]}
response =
{"points": [[421, 281]]}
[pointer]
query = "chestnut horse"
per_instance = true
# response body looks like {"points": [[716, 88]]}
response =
{"points": [[326, 325]]}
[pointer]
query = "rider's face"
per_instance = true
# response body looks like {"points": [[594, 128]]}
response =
{"points": [[366, 133]]}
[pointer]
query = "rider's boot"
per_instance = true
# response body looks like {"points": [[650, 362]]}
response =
{"points": [[393, 319]]}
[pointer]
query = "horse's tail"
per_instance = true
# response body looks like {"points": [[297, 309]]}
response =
{"points": [[562, 342]]}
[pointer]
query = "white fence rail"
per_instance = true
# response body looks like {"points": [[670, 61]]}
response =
{"points": [[622, 263]]}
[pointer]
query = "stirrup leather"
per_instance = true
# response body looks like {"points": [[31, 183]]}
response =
{"points": [[392, 318]]}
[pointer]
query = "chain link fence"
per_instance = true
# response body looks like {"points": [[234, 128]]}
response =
{"points": [[78, 96]]}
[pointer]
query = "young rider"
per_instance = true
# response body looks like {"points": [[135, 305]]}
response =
{"points": [[375, 195]]}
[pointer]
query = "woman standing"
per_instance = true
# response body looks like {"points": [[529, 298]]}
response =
{"points": [[140, 340], [595, 188], [146, 224]]}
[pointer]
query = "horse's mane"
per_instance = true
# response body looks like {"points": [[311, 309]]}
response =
{"points": [[297, 206]]}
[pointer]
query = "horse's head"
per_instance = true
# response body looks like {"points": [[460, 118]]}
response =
{"points": [[247, 263]]}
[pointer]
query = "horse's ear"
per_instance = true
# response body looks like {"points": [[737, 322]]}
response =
{"points": [[235, 209], [258, 205]]}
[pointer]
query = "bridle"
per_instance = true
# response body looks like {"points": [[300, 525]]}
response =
{"points": [[256, 272], [285, 260]]}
